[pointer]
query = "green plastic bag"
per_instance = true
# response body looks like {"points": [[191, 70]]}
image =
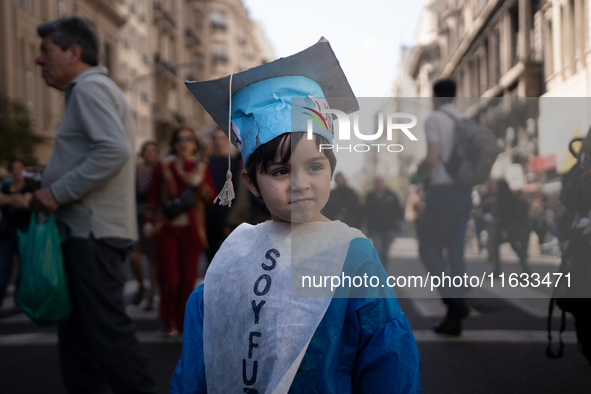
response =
{"points": [[43, 291]]}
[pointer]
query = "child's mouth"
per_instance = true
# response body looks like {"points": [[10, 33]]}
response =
{"points": [[301, 201]]}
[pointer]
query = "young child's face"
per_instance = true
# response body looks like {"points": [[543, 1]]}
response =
{"points": [[297, 190]]}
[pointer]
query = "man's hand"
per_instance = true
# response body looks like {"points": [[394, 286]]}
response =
{"points": [[43, 201], [148, 230]]}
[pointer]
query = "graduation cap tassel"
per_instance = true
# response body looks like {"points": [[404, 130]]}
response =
{"points": [[227, 194]]}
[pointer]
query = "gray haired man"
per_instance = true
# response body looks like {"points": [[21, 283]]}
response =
{"points": [[89, 184]]}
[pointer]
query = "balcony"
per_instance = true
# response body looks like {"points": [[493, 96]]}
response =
{"points": [[164, 70], [192, 37], [161, 15], [113, 10]]}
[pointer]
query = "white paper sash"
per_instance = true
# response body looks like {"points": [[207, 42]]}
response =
{"points": [[250, 317]]}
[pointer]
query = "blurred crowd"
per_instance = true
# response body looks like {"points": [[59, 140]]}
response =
{"points": [[172, 248], [166, 257], [499, 215], [503, 215]]}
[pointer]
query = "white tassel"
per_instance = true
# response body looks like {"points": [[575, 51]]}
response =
{"points": [[227, 194]]}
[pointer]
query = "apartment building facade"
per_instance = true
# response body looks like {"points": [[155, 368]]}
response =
{"points": [[514, 50], [150, 47]]}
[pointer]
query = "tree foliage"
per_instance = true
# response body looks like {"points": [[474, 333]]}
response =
{"points": [[16, 133]]}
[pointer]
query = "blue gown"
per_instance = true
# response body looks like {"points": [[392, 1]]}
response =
{"points": [[362, 345]]}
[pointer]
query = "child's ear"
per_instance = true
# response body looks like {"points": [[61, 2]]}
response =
{"points": [[251, 186]]}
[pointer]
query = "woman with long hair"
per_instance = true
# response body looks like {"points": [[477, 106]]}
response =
{"points": [[181, 239]]}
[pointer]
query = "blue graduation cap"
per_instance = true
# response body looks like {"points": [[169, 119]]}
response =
{"points": [[260, 98]]}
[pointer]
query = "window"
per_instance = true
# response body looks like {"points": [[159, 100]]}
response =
{"points": [[485, 80], [514, 18], [496, 56], [219, 53], [573, 37], [549, 50], [217, 19]]}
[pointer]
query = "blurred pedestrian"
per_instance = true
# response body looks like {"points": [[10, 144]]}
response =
{"points": [[488, 206], [217, 215], [143, 179], [511, 223], [13, 218], [537, 218], [554, 216], [88, 183], [448, 207], [478, 215], [414, 207], [343, 203], [383, 212], [523, 214], [179, 240]]}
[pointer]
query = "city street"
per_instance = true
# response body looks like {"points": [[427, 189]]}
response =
{"points": [[502, 349]]}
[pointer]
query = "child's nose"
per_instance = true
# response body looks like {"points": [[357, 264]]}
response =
{"points": [[299, 181]]}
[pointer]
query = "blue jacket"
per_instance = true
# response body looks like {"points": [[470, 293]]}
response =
{"points": [[362, 345]]}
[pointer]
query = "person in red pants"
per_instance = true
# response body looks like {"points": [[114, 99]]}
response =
{"points": [[180, 239]]}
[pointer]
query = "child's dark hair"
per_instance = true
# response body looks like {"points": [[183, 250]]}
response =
{"points": [[265, 154]]}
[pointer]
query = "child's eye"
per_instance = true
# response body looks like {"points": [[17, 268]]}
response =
{"points": [[316, 167], [280, 172]]}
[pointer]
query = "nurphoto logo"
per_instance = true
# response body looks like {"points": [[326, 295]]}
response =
{"points": [[344, 130]]}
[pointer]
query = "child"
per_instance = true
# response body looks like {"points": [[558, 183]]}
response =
{"points": [[244, 331]]}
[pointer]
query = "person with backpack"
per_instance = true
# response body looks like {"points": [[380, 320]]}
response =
{"points": [[448, 207]]}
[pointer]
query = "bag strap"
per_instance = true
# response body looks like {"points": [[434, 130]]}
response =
{"points": [[549, 352], [446, 164]]}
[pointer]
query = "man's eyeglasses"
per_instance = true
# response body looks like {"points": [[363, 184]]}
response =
{"points": [[184, 139]]}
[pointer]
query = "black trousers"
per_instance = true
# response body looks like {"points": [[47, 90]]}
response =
{"points": [[97, 343]]}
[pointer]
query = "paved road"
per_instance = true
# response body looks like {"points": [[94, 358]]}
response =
{"points": [[501, 350]]}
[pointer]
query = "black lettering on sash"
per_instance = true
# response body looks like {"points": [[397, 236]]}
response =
{"points": [[250, 391], [269, 257], [253, 379], [267, 278], [251, 344], [257, 309]]}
